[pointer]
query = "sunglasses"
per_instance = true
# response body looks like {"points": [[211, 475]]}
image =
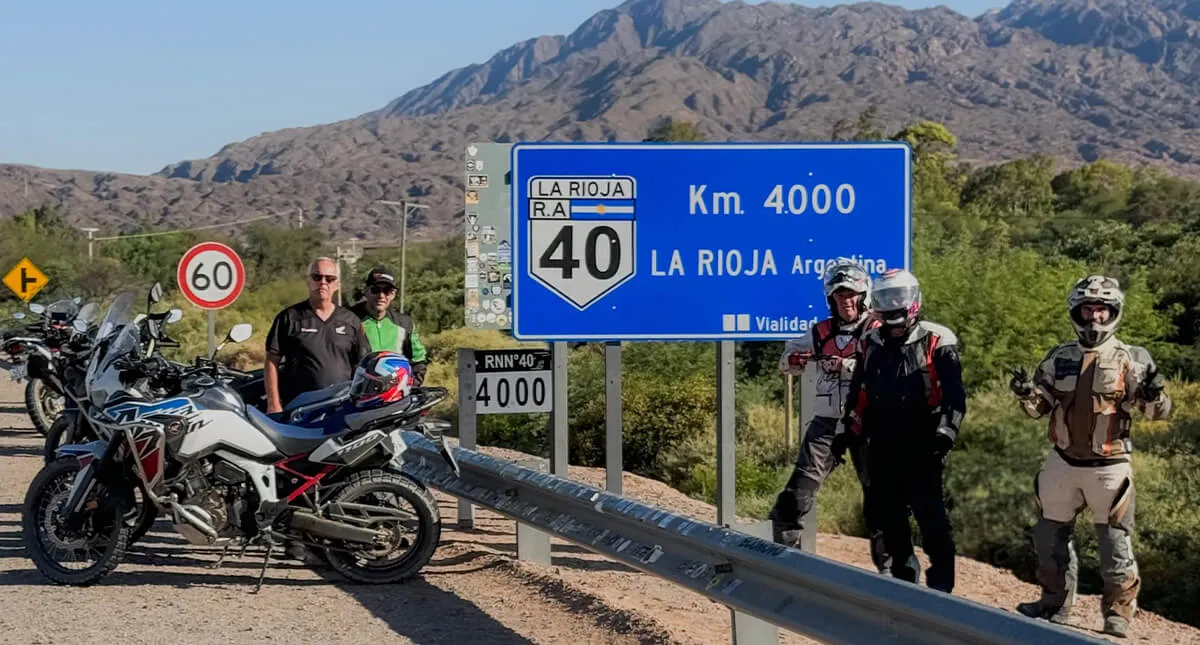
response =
{"points": [[381, 289], [318, 277]]}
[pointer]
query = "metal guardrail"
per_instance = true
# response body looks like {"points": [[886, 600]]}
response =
{"points": [[818, 598]]}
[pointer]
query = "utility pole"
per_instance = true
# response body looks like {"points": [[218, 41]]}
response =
{"points": [[404, 204], [89, 231], [351, 257]]}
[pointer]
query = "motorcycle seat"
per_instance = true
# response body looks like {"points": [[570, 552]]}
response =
{"points": [[316, 399], [290, 440]]}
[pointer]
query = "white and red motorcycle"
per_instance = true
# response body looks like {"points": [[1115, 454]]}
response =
{"points": [[225, 473]]}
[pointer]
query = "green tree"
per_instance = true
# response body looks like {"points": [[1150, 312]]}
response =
{"points": [[865, 128], [671, 130], [936, 179], [1019, 188], [1099, 189]]}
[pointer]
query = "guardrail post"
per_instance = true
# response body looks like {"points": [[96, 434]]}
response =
{"points": [[466, 423], [748, 630]]}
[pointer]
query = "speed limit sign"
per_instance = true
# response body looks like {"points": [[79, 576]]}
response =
{"points": [[211, 275]]}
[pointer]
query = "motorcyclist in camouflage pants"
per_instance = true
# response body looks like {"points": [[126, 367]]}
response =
{"points": [[835, 344], [1089, 386]]}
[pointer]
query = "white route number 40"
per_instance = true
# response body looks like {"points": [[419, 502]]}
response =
{"points": [[581, 235]]}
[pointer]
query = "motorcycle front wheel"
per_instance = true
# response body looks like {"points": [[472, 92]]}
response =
{"points": [[378, 498], [43, 404], [98, 545]]}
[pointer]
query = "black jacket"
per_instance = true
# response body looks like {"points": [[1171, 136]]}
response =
{"points": [[906, 392]]}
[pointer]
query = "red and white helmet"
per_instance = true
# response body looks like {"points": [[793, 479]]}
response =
{"points": [[381, 378]]}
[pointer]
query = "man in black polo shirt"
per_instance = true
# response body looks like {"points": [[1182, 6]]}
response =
{"points": [[312, 344]]}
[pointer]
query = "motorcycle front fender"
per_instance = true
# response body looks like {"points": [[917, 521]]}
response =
{"points": [[91, 456]]}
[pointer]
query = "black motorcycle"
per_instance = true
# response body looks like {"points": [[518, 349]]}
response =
{"points": [[35, 352]]}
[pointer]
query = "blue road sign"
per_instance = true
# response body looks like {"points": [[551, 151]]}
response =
{"points": [[710, 241]]}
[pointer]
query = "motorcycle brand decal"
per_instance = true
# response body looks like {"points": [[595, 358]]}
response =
{"points": [[128, 412]]}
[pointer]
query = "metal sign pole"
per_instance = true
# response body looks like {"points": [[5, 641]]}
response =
{"points": [[726, 463], [613, 421], [558, 437], [212, 331], [466, 424], [789, 409]]}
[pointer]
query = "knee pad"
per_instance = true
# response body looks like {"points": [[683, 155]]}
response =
{"points": [[1117, 563], [1121, 512]]}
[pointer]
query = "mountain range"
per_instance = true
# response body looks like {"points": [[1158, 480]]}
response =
{"points": [[1077, 79]]}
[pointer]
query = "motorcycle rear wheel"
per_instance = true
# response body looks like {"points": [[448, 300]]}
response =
{"points": [[43, 405], [368, 565], [40, 527]]}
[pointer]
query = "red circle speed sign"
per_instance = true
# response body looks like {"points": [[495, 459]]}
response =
{"points": [[211, 275]]}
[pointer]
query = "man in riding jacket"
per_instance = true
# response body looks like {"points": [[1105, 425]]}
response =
{"points": [[1089, 387], [907, 402], [836, 345], [387, 329]]}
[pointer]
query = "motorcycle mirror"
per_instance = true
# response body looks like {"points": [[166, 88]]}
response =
{"points": [[37, 308], [240, 332], [77, 299], [174, 316], [88, 312], [156, 294], [80, 325], [20, 315]]}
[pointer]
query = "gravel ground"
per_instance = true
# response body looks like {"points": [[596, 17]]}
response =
{"points": [[473, 590]]}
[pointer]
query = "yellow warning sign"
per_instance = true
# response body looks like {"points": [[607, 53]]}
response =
{"points": [[25, 280]]}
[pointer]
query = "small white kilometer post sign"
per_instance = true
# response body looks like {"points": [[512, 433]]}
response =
{"points": [[512, 381]]}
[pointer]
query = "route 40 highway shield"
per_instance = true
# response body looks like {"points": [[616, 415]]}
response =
{"points": [[710, 241]]}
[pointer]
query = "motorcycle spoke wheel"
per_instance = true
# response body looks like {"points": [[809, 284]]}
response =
{"points": [[76, 556], [402, 511]]}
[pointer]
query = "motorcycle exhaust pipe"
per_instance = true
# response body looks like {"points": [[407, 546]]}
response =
{"points": [[305, 521]]}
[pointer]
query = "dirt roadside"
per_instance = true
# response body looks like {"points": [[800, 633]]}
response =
{"points": [[474, 588]]}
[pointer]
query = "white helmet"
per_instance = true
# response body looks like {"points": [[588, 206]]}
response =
{"points": [[847, 274], [897, 299], [1096, 289]]}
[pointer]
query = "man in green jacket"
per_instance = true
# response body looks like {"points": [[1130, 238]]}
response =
{"points": [[387, 329]]}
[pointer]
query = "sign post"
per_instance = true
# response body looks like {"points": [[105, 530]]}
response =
{"points": [[506, 381], [715, 242], [211, 276]]}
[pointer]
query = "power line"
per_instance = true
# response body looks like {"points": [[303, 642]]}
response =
{"points": [[186, 230]]}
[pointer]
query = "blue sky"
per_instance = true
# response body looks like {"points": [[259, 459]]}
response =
{"points": [[132, 85]]}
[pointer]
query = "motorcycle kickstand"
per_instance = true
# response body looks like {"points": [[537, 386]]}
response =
{"points": [[220, 560], [262, 573]]}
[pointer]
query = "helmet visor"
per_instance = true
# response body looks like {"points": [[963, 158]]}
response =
{"points": [[894, 298]]}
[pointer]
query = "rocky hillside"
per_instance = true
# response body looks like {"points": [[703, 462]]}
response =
{"points": [[1079, 79]]}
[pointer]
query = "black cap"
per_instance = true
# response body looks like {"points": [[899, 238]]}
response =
{"points": [[380, 275]]}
